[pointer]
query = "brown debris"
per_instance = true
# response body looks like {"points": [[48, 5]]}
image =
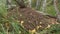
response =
{"points": [[31, 18]]}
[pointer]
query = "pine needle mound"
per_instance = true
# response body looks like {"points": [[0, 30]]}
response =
{"points": [[31, 20]]}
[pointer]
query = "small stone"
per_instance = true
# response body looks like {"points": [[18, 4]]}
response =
{"points": [[22, 22], [40, 26], [20, 14], [40, 22], [32, 31], [48, 26]]}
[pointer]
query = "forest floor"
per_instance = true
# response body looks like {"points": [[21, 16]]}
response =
{"points": [[30, 19]]}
